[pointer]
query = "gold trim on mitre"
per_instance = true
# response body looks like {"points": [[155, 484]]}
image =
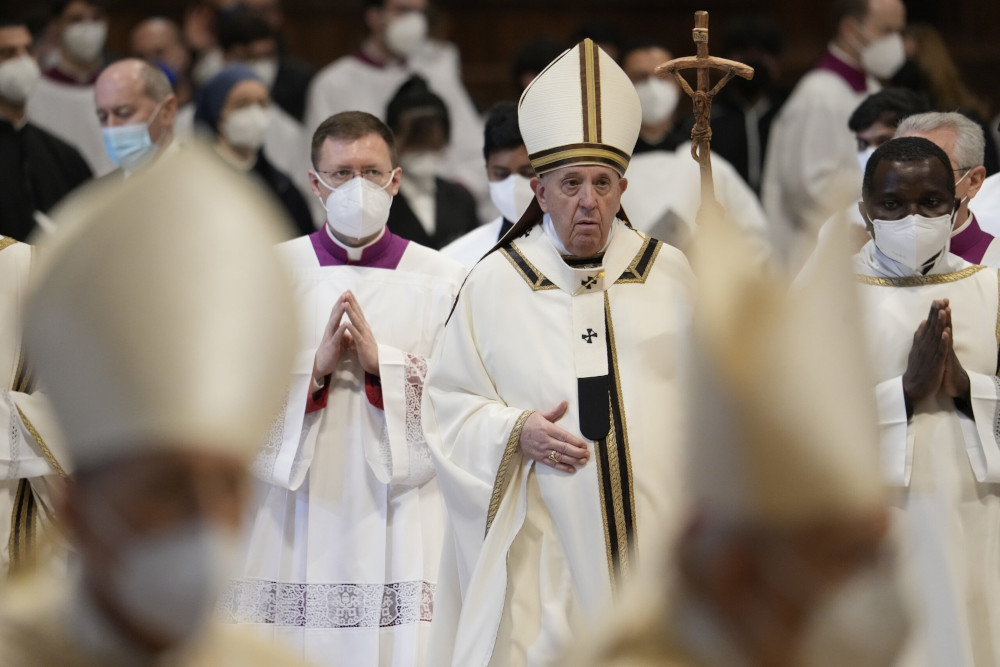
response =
{"points": [[581, 109], [583, 153], [919, 281]]}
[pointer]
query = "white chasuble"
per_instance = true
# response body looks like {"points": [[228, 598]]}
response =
{"points": [[31, 457], [345, 538], [944, 465], [529, 331]]}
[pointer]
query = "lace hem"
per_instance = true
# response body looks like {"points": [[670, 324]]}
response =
{"points": [[327, 605]]}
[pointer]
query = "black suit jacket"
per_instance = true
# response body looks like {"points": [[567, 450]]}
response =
{"points": [[455, 214], [290, 86], [36, 171]]}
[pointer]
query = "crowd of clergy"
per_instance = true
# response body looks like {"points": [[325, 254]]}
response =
{"points": [[331, 367]]}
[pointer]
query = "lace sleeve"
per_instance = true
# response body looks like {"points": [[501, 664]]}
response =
{"points": [[421, 464], [263, 465]]}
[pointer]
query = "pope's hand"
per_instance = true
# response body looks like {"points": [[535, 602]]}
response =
{"points": [[359, 336], [540, 437]]}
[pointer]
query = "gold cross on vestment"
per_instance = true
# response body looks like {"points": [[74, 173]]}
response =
{"points": [[701, 133]]}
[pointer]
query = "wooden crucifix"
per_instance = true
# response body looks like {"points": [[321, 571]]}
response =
{"points": [[701, 133]]}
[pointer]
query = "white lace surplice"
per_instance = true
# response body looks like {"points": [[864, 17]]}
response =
{"points": [[344, 542]]}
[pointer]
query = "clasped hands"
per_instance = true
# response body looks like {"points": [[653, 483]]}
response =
{"points": [[548, 444], [933, 365], [345, 336]]}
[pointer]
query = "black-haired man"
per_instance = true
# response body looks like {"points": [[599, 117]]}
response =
{"points": [[37, 169], [510, 172]]}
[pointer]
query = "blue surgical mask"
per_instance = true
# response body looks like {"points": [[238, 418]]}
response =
{"points": [[130, 146]]}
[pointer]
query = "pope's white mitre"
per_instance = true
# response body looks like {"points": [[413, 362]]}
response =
{"points": [[581, 109], [782, 406], [161, 317]]}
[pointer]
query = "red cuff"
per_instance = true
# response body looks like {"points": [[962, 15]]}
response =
{"points": [[373, 390], [317, 401]]}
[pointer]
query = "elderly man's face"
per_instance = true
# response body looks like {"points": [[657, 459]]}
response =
{"points": [[583, 201], [158, 491], [900, 189], [774, 587], [969, 177], [179, 512], [121, 99]]}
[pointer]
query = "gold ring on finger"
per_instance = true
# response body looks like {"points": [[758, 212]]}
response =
{"points": [[554, 456]]}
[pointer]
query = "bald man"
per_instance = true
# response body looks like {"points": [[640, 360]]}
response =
{"points": [[159, 42], [136, 107]]}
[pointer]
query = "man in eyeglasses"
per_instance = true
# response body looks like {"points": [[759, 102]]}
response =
{"points": [[346, 537], [964, 143]]}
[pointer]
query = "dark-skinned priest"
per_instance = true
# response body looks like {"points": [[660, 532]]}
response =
{"points": [[933, 333], [554, 414]]}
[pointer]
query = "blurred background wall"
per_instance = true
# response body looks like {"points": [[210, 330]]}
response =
{"points": [[489, 31]]}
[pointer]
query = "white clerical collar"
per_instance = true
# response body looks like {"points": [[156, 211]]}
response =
{"points": [[841, 54], [353, 252], [550, 231]]}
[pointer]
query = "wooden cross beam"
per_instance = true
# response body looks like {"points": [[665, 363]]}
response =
{"points": [[701, 133]]}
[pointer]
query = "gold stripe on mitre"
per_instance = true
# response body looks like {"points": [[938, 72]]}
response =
{"points": [[590, 91], [584, 153]]}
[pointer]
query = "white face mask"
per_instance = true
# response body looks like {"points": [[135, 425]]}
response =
{"points": [[169, 582], [512, 196], [130, 146], [358, 208], [863, 157], [207, 67], [883, 57], [862, 624], [914, 240], [18, 77], [85, 40], [406, 34], [266, 69], [247, 127], [658, 99], [421, 167]]}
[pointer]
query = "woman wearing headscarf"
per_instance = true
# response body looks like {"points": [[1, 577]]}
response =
{"points": [[232, 109]]}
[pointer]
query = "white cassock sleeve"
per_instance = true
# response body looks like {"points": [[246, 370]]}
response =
{"points": [[30, 446], [980, 435], [814, 170], [291, 440], [895, 434], [473, 433]]}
